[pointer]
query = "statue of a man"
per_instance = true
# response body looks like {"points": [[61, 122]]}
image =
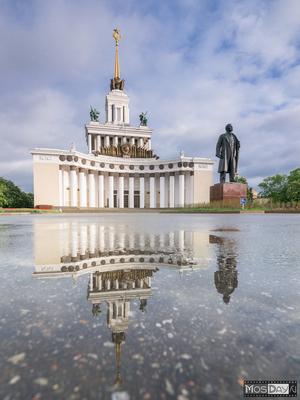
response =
{"points": [[143, 119], [227, 151]]}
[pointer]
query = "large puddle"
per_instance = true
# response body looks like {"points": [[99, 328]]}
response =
{"points": [[147, 306]]}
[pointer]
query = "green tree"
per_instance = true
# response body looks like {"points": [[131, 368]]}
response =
{"points": [[241, 179], [12, 196], [3, 202], [275, 188], [293, 185], [250, 195]]}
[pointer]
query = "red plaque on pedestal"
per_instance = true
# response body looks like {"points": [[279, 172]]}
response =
{"points": [[228, 192]]}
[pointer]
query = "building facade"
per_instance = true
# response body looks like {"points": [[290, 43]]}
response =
{"points": [[120, 169]]}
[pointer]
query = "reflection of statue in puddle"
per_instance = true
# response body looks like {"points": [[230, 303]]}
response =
{"points": [[117, 288], [226, 280]]}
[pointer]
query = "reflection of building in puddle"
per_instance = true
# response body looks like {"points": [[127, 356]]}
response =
{"points": [[120, 264], [226, 279], [77, 248], [117, 289]]}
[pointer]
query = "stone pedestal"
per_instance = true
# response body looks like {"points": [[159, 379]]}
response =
{"points": [[228, 192]]}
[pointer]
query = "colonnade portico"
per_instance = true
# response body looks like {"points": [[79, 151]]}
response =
{"points": [[82, 187]]}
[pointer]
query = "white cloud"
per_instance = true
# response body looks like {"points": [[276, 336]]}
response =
{"points": [[193, 71]]}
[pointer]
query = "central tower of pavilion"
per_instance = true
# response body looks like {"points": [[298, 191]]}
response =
{"points": [[116, 137], [117, 101]]}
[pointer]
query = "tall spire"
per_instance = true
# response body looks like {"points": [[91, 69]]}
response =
{"points": [[117, 82], [118, 338], [117, 37], [118, 379]]}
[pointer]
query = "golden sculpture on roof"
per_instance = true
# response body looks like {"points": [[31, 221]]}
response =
{"points": [[117, 82], [117, 35]]}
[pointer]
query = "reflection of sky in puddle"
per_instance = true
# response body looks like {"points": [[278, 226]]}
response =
{"points": [[148, 305]]}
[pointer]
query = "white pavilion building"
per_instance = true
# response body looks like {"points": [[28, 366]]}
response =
{"points": [[120, 169]]}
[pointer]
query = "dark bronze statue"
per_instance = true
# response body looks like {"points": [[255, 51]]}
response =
{"points": [[94, 114], [226, 277], [117, 83], [143, 119], [227, 151]]}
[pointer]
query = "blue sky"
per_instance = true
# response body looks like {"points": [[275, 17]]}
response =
{"points": [[193, 65]]}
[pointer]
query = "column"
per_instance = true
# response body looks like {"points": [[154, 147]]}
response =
{"points": [[162, 191], [131, 191], [91, 283], [124, 139], [61, 186], [132, 141], [127, 308], [162, 241], [98, 143], [142, 241], [126, 115], [73, 185], [101, 234], [149, 144], [64, 239], [82, 188], [122, 240], [90, 143], [131, 239], [172, 190], [111, 238], [92, 196], [83, 241], [115, 141], [142, 191], [181, 240], [171, 240], [191, 195], [100, 190], [106, 141], [181, 190], [92, 239], [152, 241], [66, 187], [74, 241], [111, 191], [141, 142], [121, 191], [152, 191]]}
